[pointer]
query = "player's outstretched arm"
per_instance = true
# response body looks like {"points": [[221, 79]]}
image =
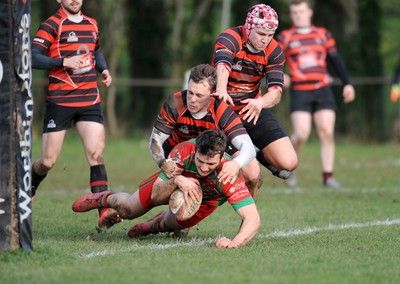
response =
{"points": [[248, 230], [222, 82]]}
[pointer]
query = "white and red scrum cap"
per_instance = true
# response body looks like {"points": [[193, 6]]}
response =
{"points": [[261, 16]]}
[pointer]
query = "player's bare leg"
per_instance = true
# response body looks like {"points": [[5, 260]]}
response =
{"points": [[301, 124], [281, 154], [52, 143], [162, 222], [93, 138], [123, 204], [325, 125], [128, 206]]}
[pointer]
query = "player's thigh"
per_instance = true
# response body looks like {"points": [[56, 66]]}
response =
{"points": [[52, 143], [251, 172], [301, 123], [266, 131], [92, 135], [89, 124], [281, 154], [324, 121]]}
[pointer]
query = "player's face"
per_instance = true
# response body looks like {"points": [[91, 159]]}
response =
{"points": [[260, 38], [72, 7], [206, 165], [301, 15], [198, 97]]}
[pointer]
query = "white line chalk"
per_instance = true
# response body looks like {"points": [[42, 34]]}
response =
{"points": [[277, 234]]}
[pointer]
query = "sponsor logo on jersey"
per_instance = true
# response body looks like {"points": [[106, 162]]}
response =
{"points": [[237, 66], [184, 129], [72, 37]]}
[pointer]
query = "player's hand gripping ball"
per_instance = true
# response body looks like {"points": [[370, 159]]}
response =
{"points": [[181, 210]]}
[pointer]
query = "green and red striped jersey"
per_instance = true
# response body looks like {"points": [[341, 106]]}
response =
{"points": [[214, 192]]}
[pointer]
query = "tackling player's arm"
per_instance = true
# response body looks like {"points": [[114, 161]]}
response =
{"points": [[222, 83], [274, 77], [230, 170], [168, 166], [248, 230]]}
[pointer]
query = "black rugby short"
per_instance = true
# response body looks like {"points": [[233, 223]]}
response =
{"points": [[312, 101], [266, 131], [59, 118]]}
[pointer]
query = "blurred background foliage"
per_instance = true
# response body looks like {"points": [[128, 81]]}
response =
{"points": [[149, 44]]}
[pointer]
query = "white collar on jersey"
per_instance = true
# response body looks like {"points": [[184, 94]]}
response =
{"points": [[199, 115], [305, 30], [76, 19], [252, 49]]}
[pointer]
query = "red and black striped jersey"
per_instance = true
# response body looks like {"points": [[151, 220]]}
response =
{"points": [[60, 37], [176, 120], [247, 68], [306, 54]]}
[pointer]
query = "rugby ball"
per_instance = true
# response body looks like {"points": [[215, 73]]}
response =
{"points": [[180, 209]]}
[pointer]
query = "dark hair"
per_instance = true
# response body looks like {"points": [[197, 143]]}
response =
{"points": [[204, 72], [309, 3], [211, 142]]}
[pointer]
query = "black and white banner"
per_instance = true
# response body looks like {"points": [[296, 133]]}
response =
{"points": [[16, 111]]}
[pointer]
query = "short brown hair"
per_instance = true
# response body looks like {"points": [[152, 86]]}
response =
{"points": [[309, 3], [211, 142], [204, 72]]}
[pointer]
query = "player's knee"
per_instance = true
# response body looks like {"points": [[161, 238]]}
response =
{"points": [[299, 138], [97, 156], [290, 163], [125, 211], [252, 179], [47, 163]]}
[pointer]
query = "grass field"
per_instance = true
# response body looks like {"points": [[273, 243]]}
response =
{"points": [[309, 234]]}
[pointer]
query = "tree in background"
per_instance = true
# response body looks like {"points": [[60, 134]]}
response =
{"points": [[161, 39]]}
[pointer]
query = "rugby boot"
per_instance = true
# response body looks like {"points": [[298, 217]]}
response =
{"points": [[108, 217], [90, 201], [292, 180], [146, 228], [332, 183]]}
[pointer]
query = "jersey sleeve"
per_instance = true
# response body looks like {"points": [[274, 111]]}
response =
{"points": [[238, 194], [229, 121], [227, 45], [330, 42], [276, 61], [166, 118], [44, 38]]}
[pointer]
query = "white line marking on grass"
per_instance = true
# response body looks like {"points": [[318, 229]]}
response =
{"points": [[277, 234]]}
